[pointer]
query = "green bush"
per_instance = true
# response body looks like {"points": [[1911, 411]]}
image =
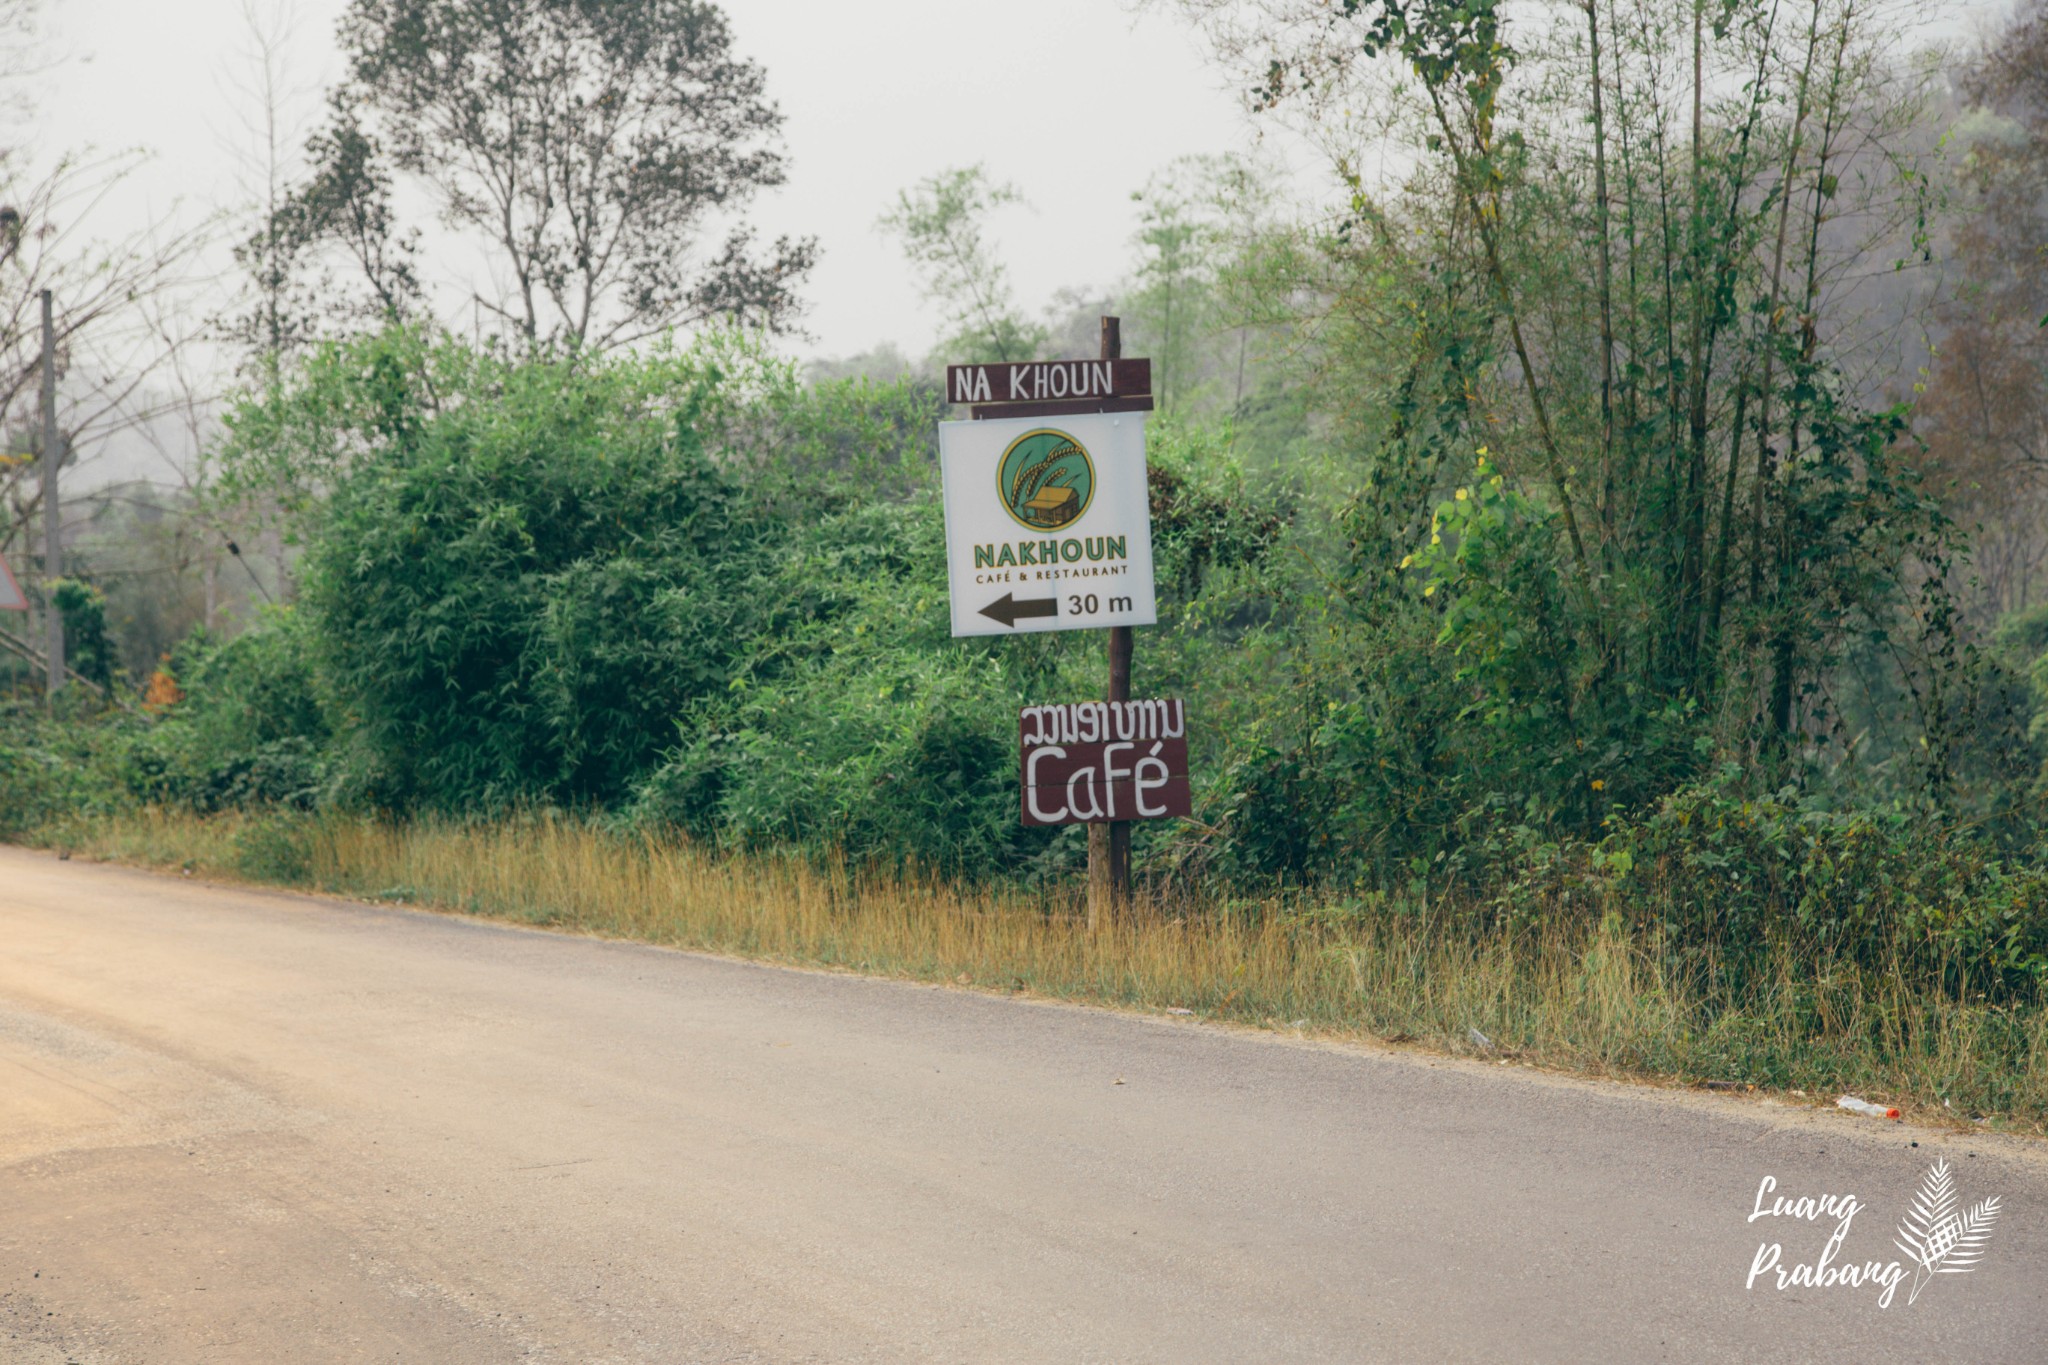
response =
{"points": [[88, 651], [49, 769], [252, 728], [519, 583], [1873, 885], [277, 848], [857, 723]]}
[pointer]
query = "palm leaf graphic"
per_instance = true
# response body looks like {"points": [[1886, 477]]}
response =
{"points": [[1940, 1240], [1972, 1231], [1932, 1207]]}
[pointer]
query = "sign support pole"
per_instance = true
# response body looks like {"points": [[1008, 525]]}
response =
{"points": [[1109, 844], [53, 519]]}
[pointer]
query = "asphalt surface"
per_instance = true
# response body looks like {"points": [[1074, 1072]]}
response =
{"points": [[245, 1126]]}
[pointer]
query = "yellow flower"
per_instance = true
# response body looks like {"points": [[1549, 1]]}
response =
{"points": [[1598, 785]]}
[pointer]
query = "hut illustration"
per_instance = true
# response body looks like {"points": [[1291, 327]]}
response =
{"points": [[1053, 505]]}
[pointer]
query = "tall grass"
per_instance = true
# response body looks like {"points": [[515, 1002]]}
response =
{"points": [[1574, 990]]}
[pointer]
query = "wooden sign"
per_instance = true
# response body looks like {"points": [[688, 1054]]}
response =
{"points": [[1096, 761], [1045, 388]]}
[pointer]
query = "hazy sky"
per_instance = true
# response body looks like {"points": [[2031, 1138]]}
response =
{"points": [[1076, 101]]}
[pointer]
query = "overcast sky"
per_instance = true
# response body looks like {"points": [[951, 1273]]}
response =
{"points": [[1076, 101]]}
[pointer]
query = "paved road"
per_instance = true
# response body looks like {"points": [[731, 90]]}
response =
{"points": [[241, 1126]]}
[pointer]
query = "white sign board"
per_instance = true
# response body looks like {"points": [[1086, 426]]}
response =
{"points": [[1048, 523], [11, 596]]}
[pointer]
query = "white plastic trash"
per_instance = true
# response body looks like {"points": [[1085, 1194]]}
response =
{"points": [[1866, 1108]]}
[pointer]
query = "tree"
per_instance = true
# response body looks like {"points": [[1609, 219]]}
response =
{"points": [[941, 222], [1985, 414], [274, 313], [115, 306], [1594, 338], [1201, 227], [1171, 302], [589, 145]]}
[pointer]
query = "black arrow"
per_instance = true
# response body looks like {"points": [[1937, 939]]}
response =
{"points": [[1007, 610]]}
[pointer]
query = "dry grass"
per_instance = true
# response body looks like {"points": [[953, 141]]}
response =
{"points": [[1586, 995]]}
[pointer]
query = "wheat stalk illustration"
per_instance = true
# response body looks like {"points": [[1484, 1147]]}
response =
{"points": [[1940, 1240], [1031, 475]]}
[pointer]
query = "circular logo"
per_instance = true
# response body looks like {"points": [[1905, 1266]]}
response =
{"points": [[1045, 479]]}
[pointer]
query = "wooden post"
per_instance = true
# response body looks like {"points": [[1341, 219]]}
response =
{"points": [[1109, 845]]}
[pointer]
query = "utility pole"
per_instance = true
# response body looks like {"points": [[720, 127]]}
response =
{"points": [[53, 521], [1109, 844]]}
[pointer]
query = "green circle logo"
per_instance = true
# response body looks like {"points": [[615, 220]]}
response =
{"points": [[1045, 479]]}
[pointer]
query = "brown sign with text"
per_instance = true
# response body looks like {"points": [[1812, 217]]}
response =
{"points": [[1095, 761], [1041, 381]]}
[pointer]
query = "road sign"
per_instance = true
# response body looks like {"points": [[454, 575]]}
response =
{"points": [[11, 596], [1048, 523], [1096, 761], [1041, 388]]}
